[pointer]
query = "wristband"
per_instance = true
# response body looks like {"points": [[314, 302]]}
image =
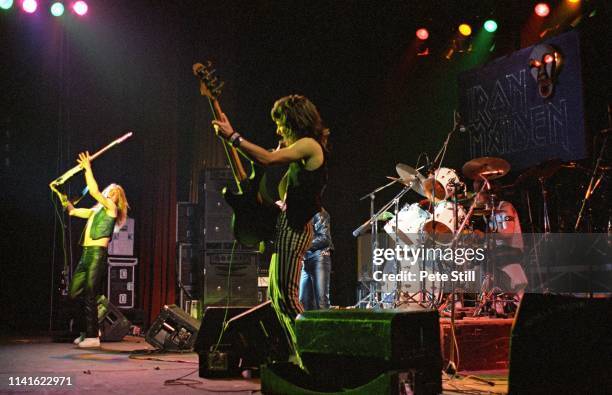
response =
{"points": [[235, 139]]}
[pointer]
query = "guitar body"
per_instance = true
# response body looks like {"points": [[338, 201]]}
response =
{"points": [[253, 221]]}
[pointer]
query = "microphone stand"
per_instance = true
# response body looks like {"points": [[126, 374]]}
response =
{"points": [[372, 222]]}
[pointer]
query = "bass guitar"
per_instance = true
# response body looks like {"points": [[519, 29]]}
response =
{"points": [[254, 219]]}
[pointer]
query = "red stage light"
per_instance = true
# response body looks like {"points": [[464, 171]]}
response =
{"points": [[29, 6], [422, 34], [542, 9], [80, 7]]}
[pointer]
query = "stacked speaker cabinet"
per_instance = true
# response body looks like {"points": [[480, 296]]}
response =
{"points": [[216, 218], [189, 273], [226, 271]]}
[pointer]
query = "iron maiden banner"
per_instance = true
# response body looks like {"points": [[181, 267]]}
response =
{"points": [[526, 107]]}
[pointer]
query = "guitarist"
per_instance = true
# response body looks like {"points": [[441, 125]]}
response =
{"points": [[304, 148], [102, 218]]}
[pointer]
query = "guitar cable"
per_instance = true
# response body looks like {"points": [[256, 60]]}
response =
{"points": [[227, 305]]}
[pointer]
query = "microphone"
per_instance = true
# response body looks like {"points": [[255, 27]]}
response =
{"points": [[458, 120]]}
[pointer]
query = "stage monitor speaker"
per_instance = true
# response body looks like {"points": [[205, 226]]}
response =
{"points": [[173, 330], [289, 379], [113, 324], [214, 352], [561, 345], [258, 337], [368, 343]]}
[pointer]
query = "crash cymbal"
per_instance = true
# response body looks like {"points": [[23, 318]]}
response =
{"points": [[411, 176], [489, 167]]}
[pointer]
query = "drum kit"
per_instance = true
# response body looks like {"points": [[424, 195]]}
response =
{"points": [[446, 212]]}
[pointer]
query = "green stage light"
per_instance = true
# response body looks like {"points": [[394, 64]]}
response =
{"points": [[6, 4], [57, 9], [490, 26]]}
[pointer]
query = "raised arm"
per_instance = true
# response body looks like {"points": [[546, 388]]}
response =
{"points": [[92, 185], [305, 148]]}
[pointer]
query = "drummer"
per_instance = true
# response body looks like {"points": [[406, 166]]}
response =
{"points": [[501, 218]]}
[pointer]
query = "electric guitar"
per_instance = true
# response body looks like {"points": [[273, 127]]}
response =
{"points": [[253, 220]]}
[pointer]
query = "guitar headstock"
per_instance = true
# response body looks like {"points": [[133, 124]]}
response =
{"points": [[210, 86]]}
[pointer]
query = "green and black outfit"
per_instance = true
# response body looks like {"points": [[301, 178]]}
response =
{"points": [[87, 278], [294, 233]]}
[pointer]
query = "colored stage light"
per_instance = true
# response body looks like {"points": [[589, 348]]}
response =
{"points": [[422, 34], [542, 9], [6, 4], [490, 25], [57, 9], [573, 1], [80, 7], [29, 6], [465, 29]]}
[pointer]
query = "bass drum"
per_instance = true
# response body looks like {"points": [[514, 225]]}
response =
{"points": [[409, 223], [441, 226]]}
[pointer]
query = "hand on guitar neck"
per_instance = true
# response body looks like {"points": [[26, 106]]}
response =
{"points": [[223, 127]]}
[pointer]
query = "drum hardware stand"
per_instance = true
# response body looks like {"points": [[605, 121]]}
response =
{"points": [[372, 299], [546, 219], [593, 184]]}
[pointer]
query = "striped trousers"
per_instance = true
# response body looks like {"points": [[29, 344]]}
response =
{"points": [[285, 271]]}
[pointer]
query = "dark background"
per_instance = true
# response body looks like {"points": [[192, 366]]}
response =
{"points": [[71, 84]]}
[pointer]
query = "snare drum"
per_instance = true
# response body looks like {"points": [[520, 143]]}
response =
{"points": [[443, 220], [443, 179], [410, 222]]}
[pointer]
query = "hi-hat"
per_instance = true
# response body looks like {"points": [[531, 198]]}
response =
{"points": [[488, 167], [411, 177]]}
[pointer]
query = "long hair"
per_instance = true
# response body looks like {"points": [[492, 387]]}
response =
{"points": [[301, 117], [122, 204]]}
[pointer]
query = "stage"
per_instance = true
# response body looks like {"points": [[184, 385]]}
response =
{"points": [[116, 369]]}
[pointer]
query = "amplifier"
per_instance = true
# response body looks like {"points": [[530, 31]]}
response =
{"points": [[239, 270], [121, 275]]}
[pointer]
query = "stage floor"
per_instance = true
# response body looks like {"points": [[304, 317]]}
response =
{"points": [[116, 369]]}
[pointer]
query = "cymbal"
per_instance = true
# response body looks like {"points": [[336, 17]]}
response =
{"points": [[489, 167], [542, 171], [410, 175]]}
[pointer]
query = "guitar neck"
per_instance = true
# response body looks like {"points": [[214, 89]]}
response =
{"points": [[232, 154]]}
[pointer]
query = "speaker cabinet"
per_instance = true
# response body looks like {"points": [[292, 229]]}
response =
{"points": [[215, 355], [350, 348], [232, 276], [187, 220], [561, 345]]}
